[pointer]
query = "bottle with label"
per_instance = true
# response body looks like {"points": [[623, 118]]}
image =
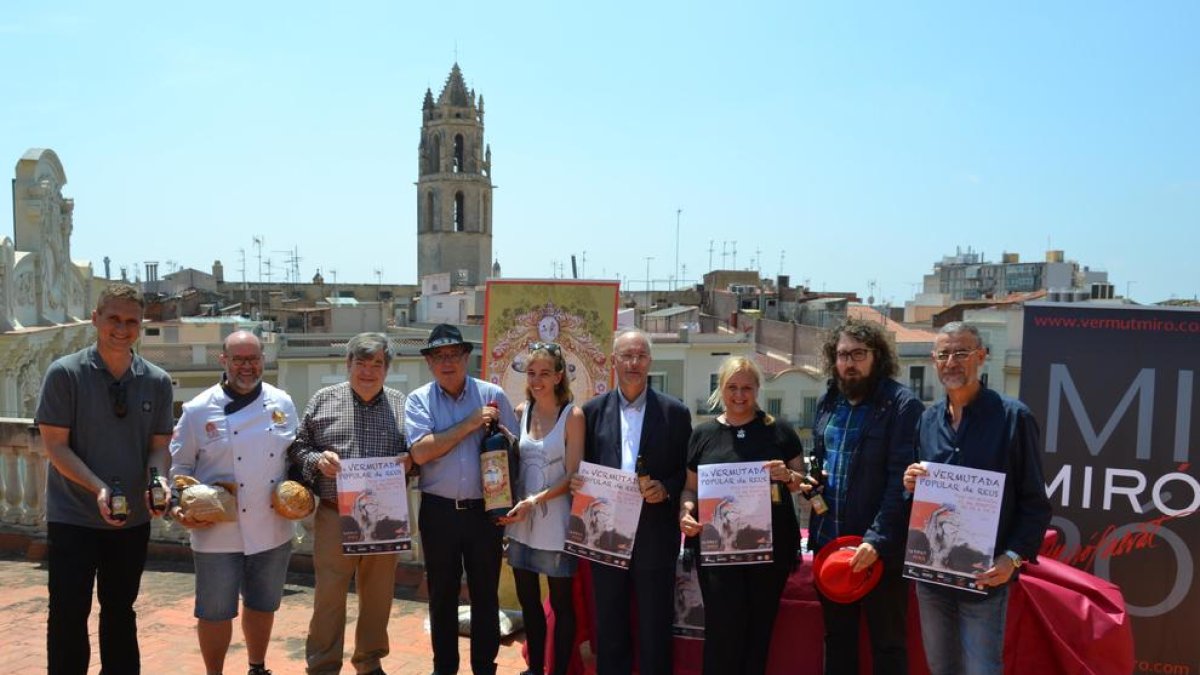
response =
{"points": [[643, 474], [118, 505], [777, 491], [497, 468], [158, 495], [814, 478]]}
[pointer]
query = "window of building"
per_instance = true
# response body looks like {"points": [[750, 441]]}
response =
{"points": [[459, 212], [152, 332], [658, 382], [810, 411], [775, 407], [916, 381], [459, 166]]}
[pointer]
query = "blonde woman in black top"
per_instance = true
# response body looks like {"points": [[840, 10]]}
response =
{"points": [[741, 601]]}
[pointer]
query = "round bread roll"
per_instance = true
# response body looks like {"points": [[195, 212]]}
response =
{"points": [[293, 500], [209, 503]]}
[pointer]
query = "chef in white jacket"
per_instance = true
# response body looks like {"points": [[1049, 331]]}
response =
{"points": [[237, 431]]}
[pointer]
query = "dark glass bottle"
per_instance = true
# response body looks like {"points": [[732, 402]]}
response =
{"points": [[643, 474], [498, 470], [158, 495], [777, 491], [118, 504], [816, 480]]}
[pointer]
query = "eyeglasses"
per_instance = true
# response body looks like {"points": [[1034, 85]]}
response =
{"points": [[635, 357], [239, 361], [956, 355], [551, 348], [854, 354], [116, 392], [445, 357]]}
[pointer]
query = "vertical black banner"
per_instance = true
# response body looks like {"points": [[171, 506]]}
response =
{"points": [[1115, 391]]}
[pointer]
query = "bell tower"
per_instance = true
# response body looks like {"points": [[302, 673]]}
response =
{"points": [[454, 186]]}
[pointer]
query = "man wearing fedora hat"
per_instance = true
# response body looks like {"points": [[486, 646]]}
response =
{"points": [[446, 421], [863, 436]]}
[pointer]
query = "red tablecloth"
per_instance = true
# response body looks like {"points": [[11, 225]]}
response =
{"points": [[1060, 620]]}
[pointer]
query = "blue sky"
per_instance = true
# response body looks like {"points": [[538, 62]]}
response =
{"points": [[854, 142]]}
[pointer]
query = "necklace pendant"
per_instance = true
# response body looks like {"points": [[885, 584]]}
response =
{"points": [[741, 433]]}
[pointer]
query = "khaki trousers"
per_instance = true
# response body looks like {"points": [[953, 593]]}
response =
{"points": [[375, 582]]}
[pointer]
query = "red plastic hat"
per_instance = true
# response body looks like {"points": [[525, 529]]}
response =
{"points": [[833, 576]]}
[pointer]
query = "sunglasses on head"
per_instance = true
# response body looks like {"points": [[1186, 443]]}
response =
{"points": [[550, 347], [117, 394]]}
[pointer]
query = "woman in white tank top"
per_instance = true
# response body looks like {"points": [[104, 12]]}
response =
{"points": [[551, 448]]}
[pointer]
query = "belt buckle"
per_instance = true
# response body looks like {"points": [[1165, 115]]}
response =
{"points": [[461, 504]]}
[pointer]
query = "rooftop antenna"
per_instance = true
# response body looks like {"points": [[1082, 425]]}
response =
{"points": [[678, 212], [258, 244]]}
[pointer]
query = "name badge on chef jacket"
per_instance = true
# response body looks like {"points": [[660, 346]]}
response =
{"points": [[212, 431]]}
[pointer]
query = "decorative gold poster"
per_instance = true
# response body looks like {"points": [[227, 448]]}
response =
{"points": [[578, 316]]}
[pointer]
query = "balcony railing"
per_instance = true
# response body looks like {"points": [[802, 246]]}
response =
{"points": [[23, 468], [194, 356]]}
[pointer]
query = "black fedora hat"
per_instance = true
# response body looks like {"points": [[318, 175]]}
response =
{"points": [[445, 335]]}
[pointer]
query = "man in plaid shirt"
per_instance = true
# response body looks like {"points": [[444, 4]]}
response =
{"points": [[864, 435], [356, 419]]}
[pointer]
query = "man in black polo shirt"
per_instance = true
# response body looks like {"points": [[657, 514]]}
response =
{"points": [[105, 419]]}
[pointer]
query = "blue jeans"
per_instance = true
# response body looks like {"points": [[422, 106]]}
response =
{"points": [[963, 633], [259, 577]]}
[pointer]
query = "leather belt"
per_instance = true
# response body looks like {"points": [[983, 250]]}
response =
{"points": [[458, 504]]}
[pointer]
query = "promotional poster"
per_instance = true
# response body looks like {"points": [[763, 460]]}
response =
{"points": [[735, 513], [688, 621], [952, 529], [604, 515], [373, 504], [578, 316], [1114, 391]]}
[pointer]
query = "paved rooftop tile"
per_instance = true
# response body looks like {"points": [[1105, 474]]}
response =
{"points": [[167, 629]]}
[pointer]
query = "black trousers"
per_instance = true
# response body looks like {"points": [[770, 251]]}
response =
{"points": [[740, 605], [886, 607], [455, 540], [114, 559], [614, 589], [562, 603]]}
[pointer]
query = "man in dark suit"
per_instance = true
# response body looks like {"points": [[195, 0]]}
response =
{"points": [[629, 422]]}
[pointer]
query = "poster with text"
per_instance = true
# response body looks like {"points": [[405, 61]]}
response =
{"points": [[373, 505], [578, 316], [604, 515], [1114, 389], [735, 513], [952, 529], [688, 621]]}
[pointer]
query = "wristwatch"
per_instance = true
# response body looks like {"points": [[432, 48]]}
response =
{"points": [[1016, 558]]}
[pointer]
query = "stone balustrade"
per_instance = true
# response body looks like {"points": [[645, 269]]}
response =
{"points": [[22, 475], [23, 467]]}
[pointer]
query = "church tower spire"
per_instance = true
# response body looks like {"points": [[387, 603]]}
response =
{"points": [[454, 186]]}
